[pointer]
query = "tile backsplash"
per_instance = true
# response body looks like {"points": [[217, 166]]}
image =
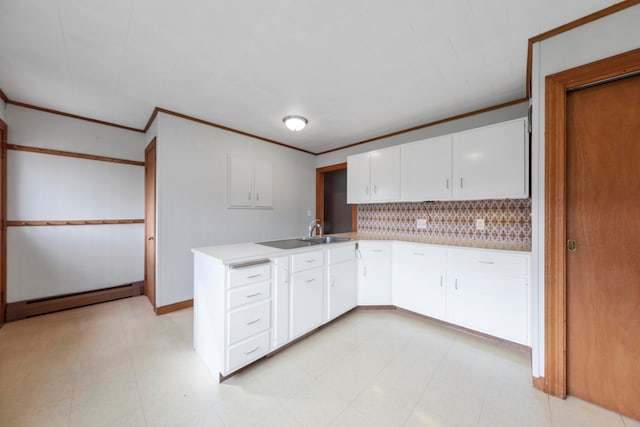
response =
{"points": [[506, 221]]}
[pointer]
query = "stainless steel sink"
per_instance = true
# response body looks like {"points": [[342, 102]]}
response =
{"points": [[303, 242]]}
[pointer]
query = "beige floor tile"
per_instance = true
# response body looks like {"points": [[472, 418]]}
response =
{"points": [[630, 422], [575, 412], [52, 414]]}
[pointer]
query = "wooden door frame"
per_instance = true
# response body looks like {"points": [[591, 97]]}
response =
{"points": [[3, 222], [555, 262], [152, 145], [320, 195]]}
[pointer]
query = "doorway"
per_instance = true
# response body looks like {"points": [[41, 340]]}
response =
{"points": [[335, 215], [3, 222], [150, 222], [592, 322]]}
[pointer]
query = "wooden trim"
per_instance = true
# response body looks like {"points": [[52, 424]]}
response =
{"points": [[538, 382], [174, 307], [73, 116], [73, 154], [570, 26], [320, 195], [3, 96], [73, 222], [152, 117], [557, 85], [426, 125], [23, 309], [215, 125], [376, 307], [3, 219]]}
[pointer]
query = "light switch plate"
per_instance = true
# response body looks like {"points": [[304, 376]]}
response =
{"points": [[421, 224], [480, 224]]}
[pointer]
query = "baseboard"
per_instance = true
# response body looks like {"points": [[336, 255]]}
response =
{"points": [[538, 382], [174, 307], [34, 307], [376, 307]]}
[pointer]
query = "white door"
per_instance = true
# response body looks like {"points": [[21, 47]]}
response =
{"points": [[385, 175], [426, 170], [374, 273], [491, 162], [239, 182], [343, 288], [358, 178], [263, 185], [419, 279], [306, 301]]}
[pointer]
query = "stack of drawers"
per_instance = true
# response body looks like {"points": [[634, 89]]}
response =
{"points": [[248, 315]]}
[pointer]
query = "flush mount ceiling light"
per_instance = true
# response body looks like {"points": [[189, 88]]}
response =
{"points": [[295, 123]]}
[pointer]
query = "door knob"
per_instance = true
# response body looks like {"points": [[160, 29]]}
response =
{"points": [[571, 245]]}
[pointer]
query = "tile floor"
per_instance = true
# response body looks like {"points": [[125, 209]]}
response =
{"points": [[119, 364]]}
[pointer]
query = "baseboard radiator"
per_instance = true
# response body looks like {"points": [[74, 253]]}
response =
{"points": [[28, 308]]}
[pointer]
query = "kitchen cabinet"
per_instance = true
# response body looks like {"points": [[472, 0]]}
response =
{"points": [[419, 278], [489, 292], [306, 292], [426, 170], [249, 183], [342, 280], [280, 301], [232, 312], [374, 273], [491, 162], [374, 177]]}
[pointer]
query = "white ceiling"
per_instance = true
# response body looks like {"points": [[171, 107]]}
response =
{"points": [[355, 68]]}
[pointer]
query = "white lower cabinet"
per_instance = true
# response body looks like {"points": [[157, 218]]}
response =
{"points": [[489, 292], [419, 278], [374, 273], [342, 280], [306, 293], [280, 301]]}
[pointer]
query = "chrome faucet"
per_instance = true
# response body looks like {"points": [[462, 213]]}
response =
{"points": [[312, 228]]}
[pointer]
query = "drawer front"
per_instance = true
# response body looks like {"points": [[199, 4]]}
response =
{"points": [[248, 294], [342, 253], [248, 275], [306, 260], [490, 262], [247, 351], [248, 321]]}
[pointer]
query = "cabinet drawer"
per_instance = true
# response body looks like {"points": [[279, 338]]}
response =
{"points": [[248, 321], [248, 275], [342, 253], [247, 351], [306, 260], [490, 262], [248, 294]]}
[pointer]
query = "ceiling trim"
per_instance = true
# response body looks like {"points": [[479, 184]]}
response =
{"points": [[3, 96], [73, 116], [73, 154], [426, 125], [570, 26], [215, 125]]}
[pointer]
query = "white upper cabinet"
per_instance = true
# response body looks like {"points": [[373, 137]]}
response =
{"points": [[426, 170], [249, 183], [491, 162], [374, 177]]}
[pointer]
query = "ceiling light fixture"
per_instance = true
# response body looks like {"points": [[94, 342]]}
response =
{"points": [[295, 123]]}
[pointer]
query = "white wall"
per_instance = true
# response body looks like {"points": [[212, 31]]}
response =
{"points": [[483, 119], [191, 198], [600, 39], [53, 260]]}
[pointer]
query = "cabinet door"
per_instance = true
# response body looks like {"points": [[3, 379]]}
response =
{"points": [[239, 182], [306, 301], [263, 185], [493, 304], [385, 175], [343, 288], [491, 162], [281, 302], [358, 178], [426, 170], [419, 279], [374, 273]]}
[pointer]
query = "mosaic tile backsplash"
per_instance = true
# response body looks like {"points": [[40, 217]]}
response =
{"points": [[507, 222]]}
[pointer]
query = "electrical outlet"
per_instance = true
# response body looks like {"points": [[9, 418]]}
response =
{"points": [[480, 224], [308, 213], [421, 224]]}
